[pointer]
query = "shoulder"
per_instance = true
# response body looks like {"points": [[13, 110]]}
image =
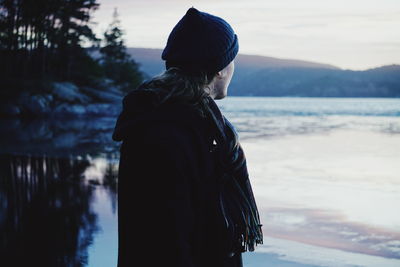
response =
{"points": [[175, 125], [161, 139]]}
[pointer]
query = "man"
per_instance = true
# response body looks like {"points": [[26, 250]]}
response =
{"points": [[184, 197]]}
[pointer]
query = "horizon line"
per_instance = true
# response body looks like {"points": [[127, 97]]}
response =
{"points": [[293, 59]]}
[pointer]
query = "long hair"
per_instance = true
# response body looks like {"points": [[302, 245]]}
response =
{"points": [[174, 84]]}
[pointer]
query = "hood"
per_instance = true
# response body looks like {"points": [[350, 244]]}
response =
{"points": [[143, 106]]}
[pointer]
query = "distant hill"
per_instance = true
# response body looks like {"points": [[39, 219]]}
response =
{"points": [[268, 76]]}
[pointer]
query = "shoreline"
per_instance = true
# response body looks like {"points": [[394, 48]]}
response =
{"points": [[285, 253]]}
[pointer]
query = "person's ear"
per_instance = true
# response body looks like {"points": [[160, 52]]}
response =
{"points": [[219, 74]]}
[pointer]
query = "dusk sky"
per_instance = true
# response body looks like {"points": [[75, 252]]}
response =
{"points": [[350, 34]]}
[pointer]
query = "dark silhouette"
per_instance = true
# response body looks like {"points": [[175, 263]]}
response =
{"points": [[47, 41], [46, 218], [184, 194], [42, 38]]}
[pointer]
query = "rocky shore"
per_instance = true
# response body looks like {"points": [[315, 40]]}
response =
{"points": [[65, 100]]}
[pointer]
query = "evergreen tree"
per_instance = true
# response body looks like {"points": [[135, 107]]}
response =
{"points": [[117, 63], [114, 48], [3, 27], [43, 38]]}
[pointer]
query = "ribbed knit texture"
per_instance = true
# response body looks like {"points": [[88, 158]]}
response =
{"points": [[200, 42]]}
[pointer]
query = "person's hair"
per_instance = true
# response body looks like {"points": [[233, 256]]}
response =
{"points": [[174, 84]]}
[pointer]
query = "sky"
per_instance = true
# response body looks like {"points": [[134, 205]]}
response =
{"points": [[349, 34]]}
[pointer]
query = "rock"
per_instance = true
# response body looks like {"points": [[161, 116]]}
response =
{"points": [[33, 105], [66, 140], [68, 92], [9, 110], [102, 96], [109, 86], [66, 100], [49, 98], [35, 132], [105, 110], [114, 89], [68, 110], [107, 82]]}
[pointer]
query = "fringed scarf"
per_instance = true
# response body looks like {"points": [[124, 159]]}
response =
{"points": [[236, 197]]}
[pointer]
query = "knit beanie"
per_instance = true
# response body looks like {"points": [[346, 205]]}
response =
{"points": [[200, 43]]}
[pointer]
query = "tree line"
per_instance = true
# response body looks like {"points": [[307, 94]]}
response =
{"points": [[43, 40]]}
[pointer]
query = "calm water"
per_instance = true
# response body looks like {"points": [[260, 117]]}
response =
{"points": [[325, 172]]}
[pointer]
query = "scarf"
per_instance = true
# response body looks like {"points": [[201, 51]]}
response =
{"points": [[236, 198]]}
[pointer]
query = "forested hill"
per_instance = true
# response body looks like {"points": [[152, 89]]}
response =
{"points": [[268, 76]]}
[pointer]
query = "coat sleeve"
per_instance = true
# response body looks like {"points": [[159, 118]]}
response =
{"points": [[156, 216]]}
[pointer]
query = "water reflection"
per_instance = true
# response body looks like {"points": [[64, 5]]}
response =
{"points": [[331, 229], [46, 218], [58, 137], [326, 182]]}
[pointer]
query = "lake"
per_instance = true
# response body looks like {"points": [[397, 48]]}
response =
{"points": [[325, 173]]}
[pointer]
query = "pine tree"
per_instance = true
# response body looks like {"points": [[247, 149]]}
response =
{"points": [[114, 49], [117, 63], [40, 38]]}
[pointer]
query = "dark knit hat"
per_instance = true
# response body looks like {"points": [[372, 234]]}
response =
{"points": [[200, 42]]}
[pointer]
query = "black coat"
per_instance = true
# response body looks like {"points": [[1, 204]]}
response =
{"points": [[168, 210]]}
